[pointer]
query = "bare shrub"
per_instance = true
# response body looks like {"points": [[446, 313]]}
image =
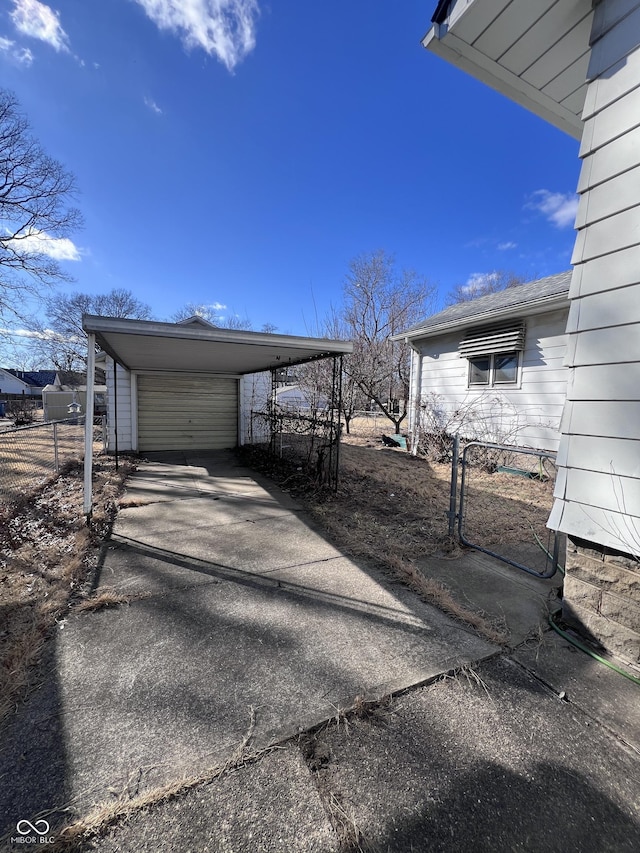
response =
{"points": [[489, 418]]}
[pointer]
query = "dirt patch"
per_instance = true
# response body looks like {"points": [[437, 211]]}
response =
{"points": [[47, 555]]}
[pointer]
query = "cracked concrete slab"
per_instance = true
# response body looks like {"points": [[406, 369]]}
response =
{"points": [[234, 617]]}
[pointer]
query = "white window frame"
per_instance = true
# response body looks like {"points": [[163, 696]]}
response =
{"points": [[491, 381]]}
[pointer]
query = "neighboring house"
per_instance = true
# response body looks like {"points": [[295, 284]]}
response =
{"points": [[298, 399], [190, 385], [576, 64], [70, 387], [27, 382], [492, 368]]}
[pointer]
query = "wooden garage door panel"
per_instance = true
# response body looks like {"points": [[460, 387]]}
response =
{"points": [[190, 412]]}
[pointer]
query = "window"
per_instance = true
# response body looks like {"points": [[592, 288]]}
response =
{"points": [[499, 368], [480, 370]]}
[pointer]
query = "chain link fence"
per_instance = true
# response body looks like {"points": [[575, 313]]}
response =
{"points": [[32, 454], [505, 497]]}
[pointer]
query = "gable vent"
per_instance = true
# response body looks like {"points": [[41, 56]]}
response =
{"points": [[504, 338]]}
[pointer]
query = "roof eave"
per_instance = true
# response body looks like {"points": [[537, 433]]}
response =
{"points": [[102, 325], [444, 43], [525, 309]]}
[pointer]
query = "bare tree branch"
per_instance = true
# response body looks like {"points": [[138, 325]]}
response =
{"points": [[35, 191], [379, 302], [482, 284], [63, 342]]}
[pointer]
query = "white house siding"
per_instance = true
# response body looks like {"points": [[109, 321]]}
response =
{"points": [[255, 390], [125, 428], [10, 384], [598, 494], [528, 415]]}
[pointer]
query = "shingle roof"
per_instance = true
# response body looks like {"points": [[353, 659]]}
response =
{"points": [[512, 298], [36, 378]]}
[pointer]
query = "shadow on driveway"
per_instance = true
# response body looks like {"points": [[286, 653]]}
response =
{"points": [[239, 607]]}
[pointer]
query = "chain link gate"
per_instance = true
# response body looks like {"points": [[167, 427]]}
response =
{"points": [[490, 454]]}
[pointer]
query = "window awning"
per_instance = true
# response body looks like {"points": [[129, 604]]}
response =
{"points": [[488, 339]]}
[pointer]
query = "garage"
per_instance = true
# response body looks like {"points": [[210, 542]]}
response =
{"points": [[190, 385], [182, 412]]}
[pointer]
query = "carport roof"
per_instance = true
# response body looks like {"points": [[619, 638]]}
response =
{"points": [[201, 348]]}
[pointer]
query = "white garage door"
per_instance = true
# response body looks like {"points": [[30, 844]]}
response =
{"points": [[187, 412]]}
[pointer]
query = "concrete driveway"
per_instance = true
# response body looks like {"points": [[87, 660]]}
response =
{"points": [[244, 626], [240, 617]]}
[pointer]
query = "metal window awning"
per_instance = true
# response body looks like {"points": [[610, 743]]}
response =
{"points": [[491, 339]]}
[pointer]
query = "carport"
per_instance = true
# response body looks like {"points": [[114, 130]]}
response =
{"points": [[200, 351]]}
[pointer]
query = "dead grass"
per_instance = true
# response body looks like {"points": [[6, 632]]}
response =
{"points": [[392, 508], [106, 814], [47, 552], [104, 599], [27, 456], [317, 756]]}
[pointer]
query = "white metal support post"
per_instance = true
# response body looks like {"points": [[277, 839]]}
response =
{"points": [[88, 423]]}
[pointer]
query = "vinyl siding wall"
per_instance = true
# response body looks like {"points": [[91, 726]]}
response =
{"points": [[528, 415], [12, 385], [598, 491], [125, 431]]}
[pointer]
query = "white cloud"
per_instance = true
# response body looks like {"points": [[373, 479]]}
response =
{"points": [[44, 335], [149, 102], [19, 55], [222, 28], [480, 279], [39, 21], [477, 283], [58, 248], [559, 208], [216, 306], [503, 247]]}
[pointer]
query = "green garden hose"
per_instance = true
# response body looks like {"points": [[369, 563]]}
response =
{"points": [[592, 654], [550, 556]]}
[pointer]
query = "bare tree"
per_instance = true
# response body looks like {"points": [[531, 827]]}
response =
{"points": [[483, 284], [353, 399], [235, 321], [63, 342], [35, 216], [380, 302], [211, 313]]}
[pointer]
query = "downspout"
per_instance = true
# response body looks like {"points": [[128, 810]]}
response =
{"points": [[88, 424], [417, 398]]}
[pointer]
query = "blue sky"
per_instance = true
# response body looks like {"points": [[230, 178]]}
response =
{"points": [[240, 153]]}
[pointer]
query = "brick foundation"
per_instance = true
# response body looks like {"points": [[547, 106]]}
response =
{"points": [[602, 597]]}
